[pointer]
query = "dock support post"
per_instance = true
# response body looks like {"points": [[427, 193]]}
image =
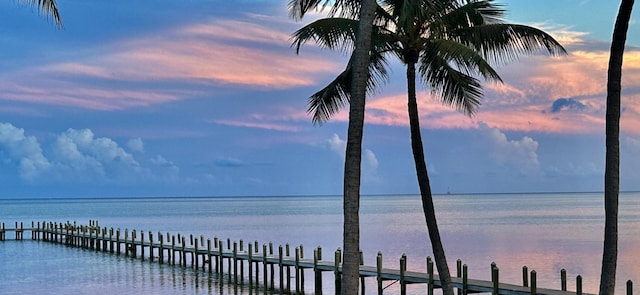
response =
{"points": [[629, 287], [362, 287], [141, 246], [525, 276], [430, 276], [579, 285], [563, 279], [459, 272], [379, 272], [209, 257], [465, 279], [281, 267], [272, 268], [297, 270], [534, 282], [317, 256], [118, 241], [150, 246], [172, 251], [250, 264], [183, 252], [235, 262], [403, 270], [220, 261], [194, 257], [495, 275], [287, 252], [301, 270], [241, 264], [265, 279], [161, 249], [336, 271]]}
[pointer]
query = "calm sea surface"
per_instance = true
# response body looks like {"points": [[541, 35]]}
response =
{"points": [[546, 232]]}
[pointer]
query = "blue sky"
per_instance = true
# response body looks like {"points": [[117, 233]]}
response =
{"points": [[207, 98]]}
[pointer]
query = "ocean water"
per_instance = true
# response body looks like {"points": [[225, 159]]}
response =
{"points": [[545, 232]]}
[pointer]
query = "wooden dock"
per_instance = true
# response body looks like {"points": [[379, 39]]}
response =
{"points": [[263, 264]]}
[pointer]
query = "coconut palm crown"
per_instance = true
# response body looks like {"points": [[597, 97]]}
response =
{"points": [[453, 42]]}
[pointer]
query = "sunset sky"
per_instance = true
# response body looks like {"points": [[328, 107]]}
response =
{"points": [[207, 98]]}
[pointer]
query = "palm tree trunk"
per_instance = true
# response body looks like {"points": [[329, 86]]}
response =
{"points": [[612, 158], [353, 157], [423, 182]]}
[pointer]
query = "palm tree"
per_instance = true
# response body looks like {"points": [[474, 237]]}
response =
{"points": [[48, 7], [612, 157], [353, 154], [450, 41]]}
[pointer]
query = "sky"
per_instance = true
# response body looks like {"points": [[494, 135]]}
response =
{"points": [[208, 98]]}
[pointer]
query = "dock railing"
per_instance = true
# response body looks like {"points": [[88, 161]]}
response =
{"points": [[211, 256]]}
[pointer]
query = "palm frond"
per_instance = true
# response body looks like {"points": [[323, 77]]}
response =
{"points": [[333, 33], [506, 42], [328, 101], [455, 88], [299, 8], [47, 7], [464, 58], [336, 8]]}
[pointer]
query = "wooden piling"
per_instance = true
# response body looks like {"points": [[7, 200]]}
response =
{"points": [[465, 280], [579, 285], [317, 256], [534, 283], [379, 272], [403, 270], [337, 271], [430, 279], [495, 274]]}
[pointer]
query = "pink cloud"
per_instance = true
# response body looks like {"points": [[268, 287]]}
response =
{"points": [[88, 97], [523, 102], [218, 52], [259, 125]]}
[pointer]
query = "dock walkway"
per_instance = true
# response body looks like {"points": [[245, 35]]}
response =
{"points": [[211, 256]]}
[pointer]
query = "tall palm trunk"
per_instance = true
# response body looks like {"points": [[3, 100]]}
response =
{"points": [[423, 182], [612, 158], [353, 157]]}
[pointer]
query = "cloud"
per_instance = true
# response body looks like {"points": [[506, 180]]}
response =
{"points": [[521, 155], [174, 64], [229, 162], [632, 142], [539, 94], [370, 159], [566, 104], [78, 156], [15, 147], [369, 164], [259, 125], [337, 145], [81, 154], [135, 145]]}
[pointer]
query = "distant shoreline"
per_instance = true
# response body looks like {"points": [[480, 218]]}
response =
{"points": [[287, 196]]}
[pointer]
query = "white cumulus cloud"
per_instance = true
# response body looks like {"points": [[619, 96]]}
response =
{"points": [[136, 145], [78, 156], [519, 154], [369, 160], [25, 151]]}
